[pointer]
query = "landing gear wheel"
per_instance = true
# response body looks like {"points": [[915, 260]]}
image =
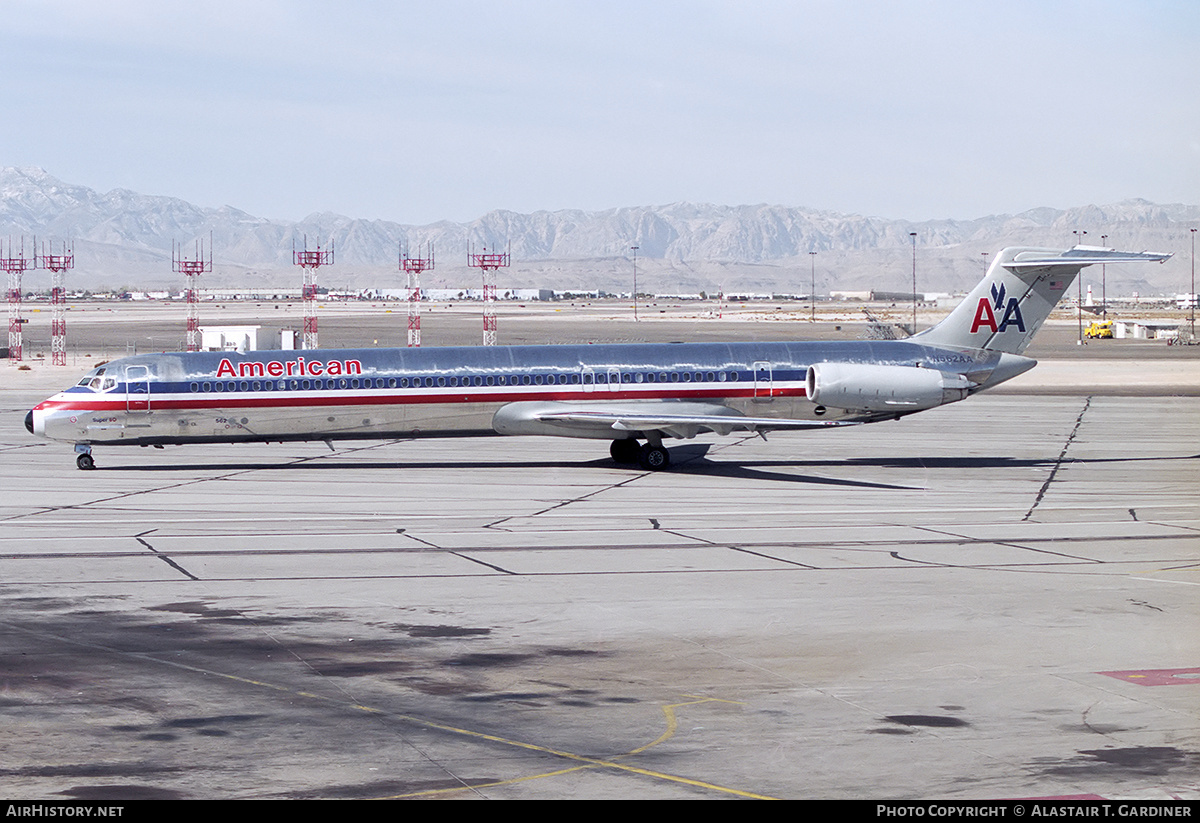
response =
{"points": [[85, 462], [625, 451], [654, 458]]}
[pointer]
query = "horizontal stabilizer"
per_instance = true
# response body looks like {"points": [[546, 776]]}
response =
{"points": [[1080, 256]]}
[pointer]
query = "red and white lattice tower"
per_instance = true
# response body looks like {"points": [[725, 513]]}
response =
{"points": [[488, 263], [15, 263], [58, 264], [310, 261], [192, 267], [413, 266]]}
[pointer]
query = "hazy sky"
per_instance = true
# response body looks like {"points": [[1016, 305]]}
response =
{"points": [[423, 111]]}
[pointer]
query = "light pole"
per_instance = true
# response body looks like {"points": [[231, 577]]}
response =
{"points": [[1079, 233], [1192, 302], [913, 236], [812, 295], [1104, 281], [635, 251]]}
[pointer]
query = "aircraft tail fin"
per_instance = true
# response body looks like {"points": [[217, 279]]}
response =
{"points": [[1022, 287]]}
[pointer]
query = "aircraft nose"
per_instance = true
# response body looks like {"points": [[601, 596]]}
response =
{"points": [[29, 422]]}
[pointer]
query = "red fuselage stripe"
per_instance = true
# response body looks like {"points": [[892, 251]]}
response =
{"points": [[234, 400]]}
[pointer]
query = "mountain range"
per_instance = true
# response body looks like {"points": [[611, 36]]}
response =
{"points": [[123, 239]]}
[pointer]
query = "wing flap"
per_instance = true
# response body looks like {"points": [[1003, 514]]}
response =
{"points": [[678, 419], [686, 426]]}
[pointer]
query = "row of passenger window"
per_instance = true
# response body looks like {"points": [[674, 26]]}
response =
{"points": [[586, 378]]}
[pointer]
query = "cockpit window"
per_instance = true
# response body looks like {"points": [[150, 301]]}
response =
{"points": [[96, 381], [92, 377]]}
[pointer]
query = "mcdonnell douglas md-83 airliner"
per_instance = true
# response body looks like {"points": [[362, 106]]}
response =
{"points": [[635, 395]]}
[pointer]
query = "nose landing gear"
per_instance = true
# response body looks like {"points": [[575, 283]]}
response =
{"points": [[83, 457]]}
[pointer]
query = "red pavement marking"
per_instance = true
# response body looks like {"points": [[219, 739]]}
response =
{"points": [[1159, 677]]}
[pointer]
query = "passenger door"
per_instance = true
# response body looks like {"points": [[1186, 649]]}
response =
{"points": [[137, 389], [763, 379]]}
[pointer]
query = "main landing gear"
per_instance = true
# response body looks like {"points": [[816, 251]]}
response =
{"points": [[651, 456], [83, 457]]}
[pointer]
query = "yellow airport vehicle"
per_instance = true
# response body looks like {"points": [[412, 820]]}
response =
{"points": [[1099, 329]]}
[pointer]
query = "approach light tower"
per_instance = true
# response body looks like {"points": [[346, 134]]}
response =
{"points": [[191, 268], [413, 266], [310, 261], [488, 263], [15, 263], [58, 264]]}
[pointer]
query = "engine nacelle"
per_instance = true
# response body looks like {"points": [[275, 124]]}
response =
{"points": [[864, 387]]}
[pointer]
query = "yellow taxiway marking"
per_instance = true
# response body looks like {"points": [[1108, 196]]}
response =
{"points": [[591, 762], [585, 761]]}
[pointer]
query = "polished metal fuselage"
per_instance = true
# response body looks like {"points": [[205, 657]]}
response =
{"points": [[318, 394]]}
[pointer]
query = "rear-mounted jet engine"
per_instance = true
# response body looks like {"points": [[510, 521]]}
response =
{"points": [[867, 387]]}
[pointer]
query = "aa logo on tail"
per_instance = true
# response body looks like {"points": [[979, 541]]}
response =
{"points": [[985, 312]]}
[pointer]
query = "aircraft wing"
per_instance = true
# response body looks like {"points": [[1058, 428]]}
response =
{"points": [[687, 426], [673, 419]]}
